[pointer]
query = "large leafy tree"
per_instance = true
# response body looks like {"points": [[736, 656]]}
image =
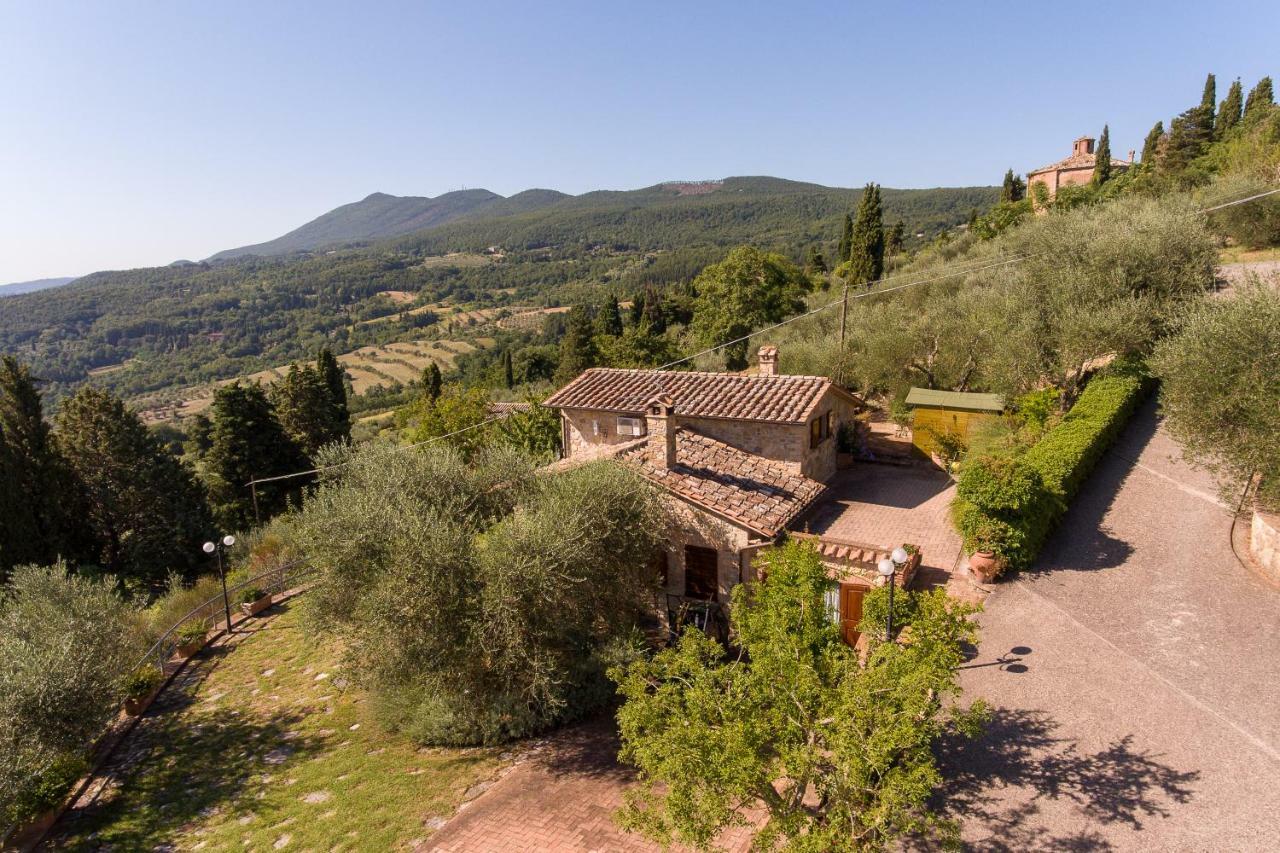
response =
{"points": [[248, 443], [458, 416], [146, 513], [866, 257], [836, 752], [479, 600], [749, 288], [1220, 389]]}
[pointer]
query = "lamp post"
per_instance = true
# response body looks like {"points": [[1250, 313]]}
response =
{"points": [[888, 567], [217, 548]]}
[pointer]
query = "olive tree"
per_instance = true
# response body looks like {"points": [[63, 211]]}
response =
{"points": [[478, 601], [66, 643], [1220, 389]]}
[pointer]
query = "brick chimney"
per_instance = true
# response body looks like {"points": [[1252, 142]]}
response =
{"points": [[1083, 145], [768, 359], [660, 420], [1131, 153]]}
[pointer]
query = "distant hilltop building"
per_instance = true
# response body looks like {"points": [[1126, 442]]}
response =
{"points": [[1073, 171]]}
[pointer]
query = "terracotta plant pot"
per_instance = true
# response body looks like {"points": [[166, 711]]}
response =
{"points": [[985, 566], [253, 608], [186, 650], [134, 706]]}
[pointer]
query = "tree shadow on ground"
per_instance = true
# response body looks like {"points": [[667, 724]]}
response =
{"points": [[1021, 750], [182, 768], [588, 749]]}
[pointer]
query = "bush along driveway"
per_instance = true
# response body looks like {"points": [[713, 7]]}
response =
{"points": [[1135, 674], [260, 744]]}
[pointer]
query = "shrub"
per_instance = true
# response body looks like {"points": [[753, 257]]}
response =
{"points": [[1009, 506], [252, 594], [66, 644], [195, 631], [180, 600], [142, 681], [479, 602]]}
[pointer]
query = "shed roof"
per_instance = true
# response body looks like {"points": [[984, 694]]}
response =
{"points": [[962, 400]]}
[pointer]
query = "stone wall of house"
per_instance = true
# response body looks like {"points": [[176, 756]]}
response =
{"points": [[584, 429], [1264, 541], [691, 526], [820, 463]]}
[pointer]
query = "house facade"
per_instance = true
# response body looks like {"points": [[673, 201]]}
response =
{"points": [[740, 458], [1074, 171]]}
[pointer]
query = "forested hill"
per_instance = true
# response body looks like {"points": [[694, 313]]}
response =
{"points": [[380, 216], [150, 329]]}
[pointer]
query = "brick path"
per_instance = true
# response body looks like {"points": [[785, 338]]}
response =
{"points": [[561, 797]]}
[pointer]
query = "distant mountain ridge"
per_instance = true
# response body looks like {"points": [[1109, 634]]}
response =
{"points": [[380, 216], [34, 285]]}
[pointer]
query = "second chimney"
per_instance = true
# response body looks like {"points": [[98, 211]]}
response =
{"points": [[768, 359], [661, 423]]}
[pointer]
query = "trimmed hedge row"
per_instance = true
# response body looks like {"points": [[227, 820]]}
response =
{"points": [[1010, 506]]}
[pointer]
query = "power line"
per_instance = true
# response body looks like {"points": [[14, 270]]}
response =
{"points": [[866, 294]]}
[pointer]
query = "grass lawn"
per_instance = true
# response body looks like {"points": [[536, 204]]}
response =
{"points": [[1238, 255], [269, 748]]}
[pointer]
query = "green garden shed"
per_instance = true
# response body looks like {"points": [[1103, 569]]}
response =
{"points": [[936, 413]]}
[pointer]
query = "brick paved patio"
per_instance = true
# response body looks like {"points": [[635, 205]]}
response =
{"points": [[887, 505], [561, 797]]}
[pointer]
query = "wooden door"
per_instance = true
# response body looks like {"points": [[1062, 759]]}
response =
{"points": [[701, 576], [850, 612]]}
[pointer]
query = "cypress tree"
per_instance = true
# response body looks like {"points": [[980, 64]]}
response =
{"points": [[334, 379], [894, 240], [432, 381], [815, 263], [1151, 144], [247, 443], [578, 348], [1207, 101], [145, 511], [1260, 97], [1006, 191], [866, 257], [846, 240], [1187, 141], [1102, 161], [636, 311], [38, 517], [304, 405], [610, 319], [1229, 110], [508, 369]]}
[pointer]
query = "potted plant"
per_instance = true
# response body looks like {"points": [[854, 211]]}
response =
{"points": [[140, 688], [191, 638], [254, 600]]}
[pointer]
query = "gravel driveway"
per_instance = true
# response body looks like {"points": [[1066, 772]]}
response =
{"points": [[1135, 676]]}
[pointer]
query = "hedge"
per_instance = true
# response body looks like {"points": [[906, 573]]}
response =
{"points": [[1011, 506]]}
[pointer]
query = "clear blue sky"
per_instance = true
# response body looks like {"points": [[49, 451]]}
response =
{"points": [[133, 134]]}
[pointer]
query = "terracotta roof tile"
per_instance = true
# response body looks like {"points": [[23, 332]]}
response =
{"points": [[1078, 161], [781, 399], [759, 494]]}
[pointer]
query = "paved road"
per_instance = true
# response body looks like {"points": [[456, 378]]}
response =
{"points": [[1138, 707]]}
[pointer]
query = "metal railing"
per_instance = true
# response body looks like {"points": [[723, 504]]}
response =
{"points": [[210, 612]]}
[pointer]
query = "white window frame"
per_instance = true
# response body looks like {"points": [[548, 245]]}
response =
{"points": [[630, 426], [831, 602]]}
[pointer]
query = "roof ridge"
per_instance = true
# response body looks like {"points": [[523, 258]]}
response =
{"points": [[719, 373]]}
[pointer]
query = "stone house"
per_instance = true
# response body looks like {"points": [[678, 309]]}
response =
{"points": [[1074, 171], [741, 458]]}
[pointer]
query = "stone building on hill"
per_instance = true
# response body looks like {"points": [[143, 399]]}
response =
{"points": [[1074, 171], [741, 459]]}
